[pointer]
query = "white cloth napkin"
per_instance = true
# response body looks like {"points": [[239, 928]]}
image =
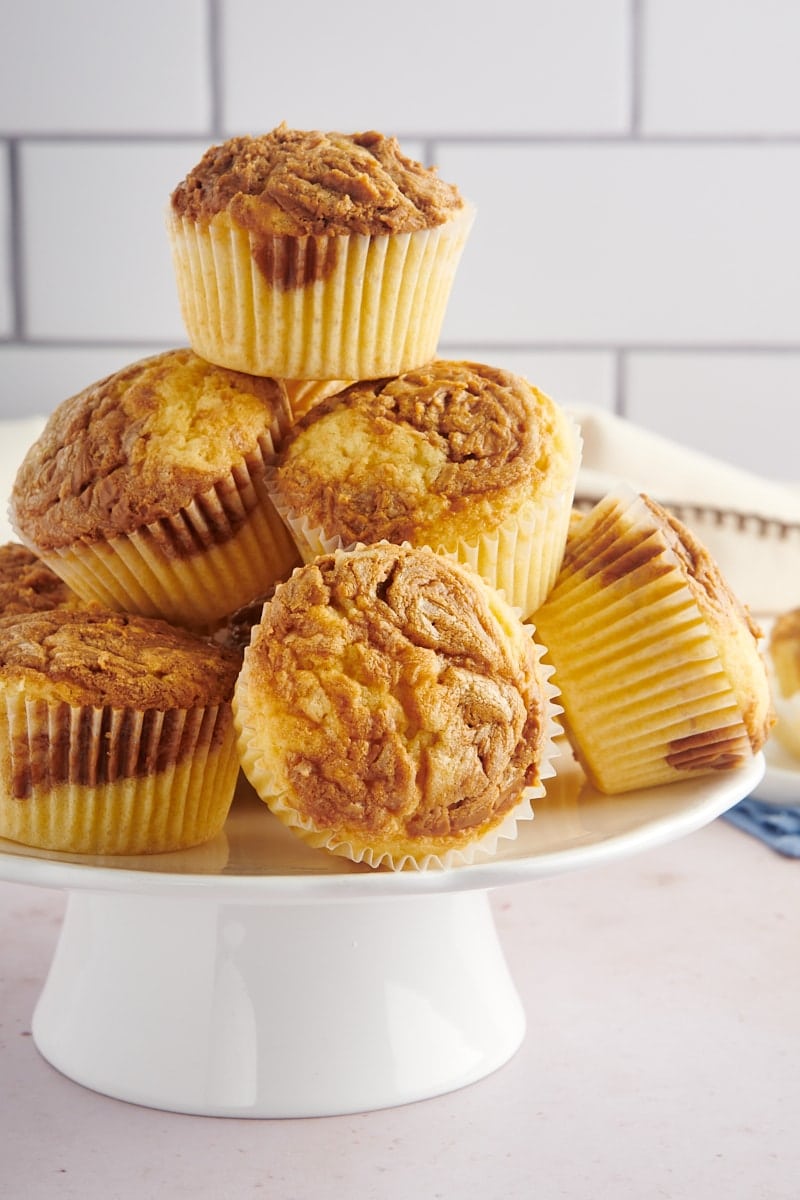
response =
{"points": [[749, 524]]}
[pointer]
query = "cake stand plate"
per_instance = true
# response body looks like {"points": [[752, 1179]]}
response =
{"points": [[256, 977]]}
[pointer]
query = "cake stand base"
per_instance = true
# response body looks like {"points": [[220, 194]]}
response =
{"points": [[304, 1009]]}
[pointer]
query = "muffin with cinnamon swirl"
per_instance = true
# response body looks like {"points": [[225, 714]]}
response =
{"points": [[468, 459], [146, 491], [393, 709], [116, 733], [657, 662], [309, 255]]}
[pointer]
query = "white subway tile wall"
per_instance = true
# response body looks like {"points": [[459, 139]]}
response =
{"points": [[635, 164]]}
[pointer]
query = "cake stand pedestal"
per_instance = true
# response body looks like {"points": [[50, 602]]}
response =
{"points": [[255, 977], [202, 1006]]}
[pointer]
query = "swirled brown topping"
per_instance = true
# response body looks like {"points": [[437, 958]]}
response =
{"points": [[401, 696], [99, 658], [297, 182], [139, 446], [28, 585], [394, 458]]}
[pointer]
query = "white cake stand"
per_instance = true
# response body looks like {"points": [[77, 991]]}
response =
{"points": [[254, 977]]}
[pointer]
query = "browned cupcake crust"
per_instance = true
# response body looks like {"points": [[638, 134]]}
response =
{"points": [[139, 446], [463, 733], [27, 585], [99, 658], [318, 183], [474, 432]]}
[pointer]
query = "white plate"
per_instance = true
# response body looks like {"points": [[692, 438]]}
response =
{"points": [[257, 858], [781, 782]]}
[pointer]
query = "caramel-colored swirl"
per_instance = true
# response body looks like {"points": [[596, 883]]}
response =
{"points": [[139, 446], [297, 182], [392, 458], [108, 658], [399, 699]]}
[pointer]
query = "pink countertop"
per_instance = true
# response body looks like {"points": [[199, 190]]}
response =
{"points": [[662, 1059]]}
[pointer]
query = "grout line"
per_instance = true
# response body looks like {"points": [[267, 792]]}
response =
{"points": [[430, 150], [668, 348], [623, 349], [564, 138], [620, 390], [636, 66], [214, 60], [15, 236]]}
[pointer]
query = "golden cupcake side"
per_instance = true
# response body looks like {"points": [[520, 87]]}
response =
{"points": [[658, 666], [392, 708], [116, 733]]}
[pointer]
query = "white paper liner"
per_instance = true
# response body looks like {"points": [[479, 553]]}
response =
{"points": [[378, 312], [225, 547], [182, 801], [261, 775], [303, 394], [637, 665]]}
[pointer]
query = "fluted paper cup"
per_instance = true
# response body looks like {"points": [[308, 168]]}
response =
{"points": [[342, 307]]}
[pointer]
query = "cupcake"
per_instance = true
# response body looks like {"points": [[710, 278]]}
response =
{"points": [[116, 733], [657, 663], [27, 585], [146, 492], [465, 458], [783, 667], [308, 255], [393, 709]]}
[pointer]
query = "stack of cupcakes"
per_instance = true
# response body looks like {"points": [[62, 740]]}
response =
{"points": [[353, 537]]}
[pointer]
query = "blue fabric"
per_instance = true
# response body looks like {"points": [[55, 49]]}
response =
{"points": [[778, 827]]}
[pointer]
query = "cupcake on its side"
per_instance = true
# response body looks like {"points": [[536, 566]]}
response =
{"points": [[783, 665], [309, 255], [116, 733], [657, 662], [28, 585], [393, 709], [465, 458], [146, 492]]}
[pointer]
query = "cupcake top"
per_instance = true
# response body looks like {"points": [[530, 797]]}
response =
{"points": [[395, 698], [28, 585], [113, 659], [440, 453], [140, 445], [297, 182], [784, 648]]}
